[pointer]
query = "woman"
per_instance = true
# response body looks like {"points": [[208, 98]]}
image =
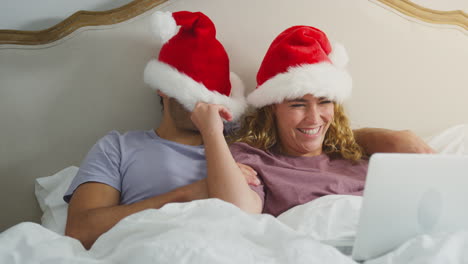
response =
{"points": [[298, 140]]}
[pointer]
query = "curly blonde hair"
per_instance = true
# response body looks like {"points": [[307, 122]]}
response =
{"points": [[258, 129]]}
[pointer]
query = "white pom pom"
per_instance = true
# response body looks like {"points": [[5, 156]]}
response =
{"points": [[338, 56], [164, 25], [237, 86]]}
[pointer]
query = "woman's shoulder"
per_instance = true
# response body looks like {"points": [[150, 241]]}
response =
{"points": [[239, 145], [344, 165], [241, 149]]}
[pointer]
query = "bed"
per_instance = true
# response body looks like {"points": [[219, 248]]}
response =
{"points": [[65, 87]]}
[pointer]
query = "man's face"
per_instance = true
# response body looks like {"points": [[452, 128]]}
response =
{"points": [[181, 116]]}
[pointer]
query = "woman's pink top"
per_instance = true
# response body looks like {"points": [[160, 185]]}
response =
{"points": [[287, 181]]}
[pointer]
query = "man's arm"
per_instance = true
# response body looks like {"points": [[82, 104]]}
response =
{"points": [[94, 208], [374, 140]]}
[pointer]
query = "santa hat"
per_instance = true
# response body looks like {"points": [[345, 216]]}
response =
{"points": [[192, 65], [301, 61]]}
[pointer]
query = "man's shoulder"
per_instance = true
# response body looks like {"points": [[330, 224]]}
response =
{"points": [[133, 134], [115, 138]]}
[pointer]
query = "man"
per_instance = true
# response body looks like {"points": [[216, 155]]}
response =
{"points": [[125, 174]]}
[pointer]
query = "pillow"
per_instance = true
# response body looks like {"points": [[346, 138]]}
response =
{"points": [[49, 193], [451, 141]]}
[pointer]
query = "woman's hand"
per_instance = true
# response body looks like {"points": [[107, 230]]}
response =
{"points": [[208, 117]]}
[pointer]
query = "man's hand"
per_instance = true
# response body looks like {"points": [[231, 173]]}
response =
{"points": [[406, 141], [194, 191], [374, 140], [249, 174], [198, 190]]}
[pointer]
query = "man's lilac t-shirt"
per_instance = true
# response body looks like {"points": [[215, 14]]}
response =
{"points": [[287, 181], [140, 164]]}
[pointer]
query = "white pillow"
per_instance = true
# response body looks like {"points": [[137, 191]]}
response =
{"points": [[49, 193], [451, 141]]}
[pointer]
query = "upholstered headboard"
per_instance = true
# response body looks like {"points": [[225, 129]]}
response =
{"points": [[63, 88]]}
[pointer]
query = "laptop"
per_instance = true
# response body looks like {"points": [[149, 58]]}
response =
{"points": [[407, 195]]}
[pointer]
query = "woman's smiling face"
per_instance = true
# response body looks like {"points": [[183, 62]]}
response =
{"points": [[302, 124]]}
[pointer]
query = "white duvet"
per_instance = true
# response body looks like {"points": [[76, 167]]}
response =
{"points": [[213, 231], [206, 231]]}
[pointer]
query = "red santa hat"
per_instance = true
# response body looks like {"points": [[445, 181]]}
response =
{"points": [[302, 61], [192, 64]]}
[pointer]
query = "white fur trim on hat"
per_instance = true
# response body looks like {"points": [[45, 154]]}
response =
{"points": [[175, 84], [164, 25], [321, 79]]}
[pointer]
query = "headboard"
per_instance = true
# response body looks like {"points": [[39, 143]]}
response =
{"points": [[64, 88]]}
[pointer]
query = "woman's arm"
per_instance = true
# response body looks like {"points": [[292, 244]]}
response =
{"points": [[225, 179]]}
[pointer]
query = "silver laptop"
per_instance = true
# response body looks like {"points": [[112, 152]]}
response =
{"points": [[407, 195]]}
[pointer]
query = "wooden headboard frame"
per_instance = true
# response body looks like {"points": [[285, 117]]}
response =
{"points": [[456, 17], [78, 20], [137, 7]]}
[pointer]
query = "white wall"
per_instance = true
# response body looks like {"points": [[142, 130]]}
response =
{"points": [[37, 15]]}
